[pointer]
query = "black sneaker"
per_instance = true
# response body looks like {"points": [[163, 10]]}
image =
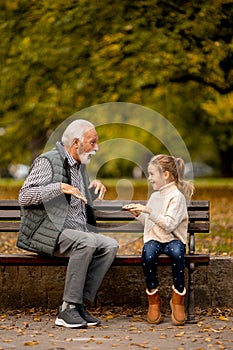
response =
{"points": [[91, 321], [70, 318]]}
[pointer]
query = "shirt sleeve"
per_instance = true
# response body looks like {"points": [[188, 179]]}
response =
{"points": [[38, 186], [176, 212]]}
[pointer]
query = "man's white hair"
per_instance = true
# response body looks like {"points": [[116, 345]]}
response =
{"points": [[75, 130]]}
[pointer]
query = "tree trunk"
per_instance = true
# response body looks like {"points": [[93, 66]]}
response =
{"points": [[226, 161]]}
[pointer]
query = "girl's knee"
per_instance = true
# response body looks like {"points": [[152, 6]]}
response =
{"points": [[177, 249]]}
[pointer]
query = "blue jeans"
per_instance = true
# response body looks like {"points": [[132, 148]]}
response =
{"points": [[175, 250]]}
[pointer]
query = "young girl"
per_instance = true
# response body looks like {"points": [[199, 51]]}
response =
{"points": [[165, 221]]}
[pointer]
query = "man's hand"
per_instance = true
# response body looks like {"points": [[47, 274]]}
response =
{"points": [[100, 189], [68, 189]]}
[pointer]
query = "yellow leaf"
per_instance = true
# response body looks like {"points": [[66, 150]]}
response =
{"points": [[223, 318], [31, 343], [7, 340], [109, 317], [179, 334], [208, 339], [214, 330]]}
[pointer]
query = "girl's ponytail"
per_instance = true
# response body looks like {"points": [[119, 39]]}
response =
{"points": [[186, 187]]}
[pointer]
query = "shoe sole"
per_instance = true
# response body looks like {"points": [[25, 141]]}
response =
{"points": [[62, 323], [94, 323]]}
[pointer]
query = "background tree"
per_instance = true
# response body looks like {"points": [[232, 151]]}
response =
{"points": [[60, 57]]}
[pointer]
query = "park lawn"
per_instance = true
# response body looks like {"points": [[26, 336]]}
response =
{"points": [[218, 191]]}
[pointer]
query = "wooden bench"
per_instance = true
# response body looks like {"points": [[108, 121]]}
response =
{"points": [[113, 221]]}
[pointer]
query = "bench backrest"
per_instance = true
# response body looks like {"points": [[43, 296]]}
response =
{"points": [[112, 219]]}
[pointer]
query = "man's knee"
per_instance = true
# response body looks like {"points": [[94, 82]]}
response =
{"points": [[112, 244]]}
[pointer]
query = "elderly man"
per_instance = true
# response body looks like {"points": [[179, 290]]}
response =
{"points": [[58, 220]]}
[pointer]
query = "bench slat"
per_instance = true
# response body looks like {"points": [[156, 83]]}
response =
{"points": [[118, 215], [9, 226], [108, 204], [124, 260], [107, 215], [9, 204], [193, 227], [133, 227], [117, 204], [10, 214]]}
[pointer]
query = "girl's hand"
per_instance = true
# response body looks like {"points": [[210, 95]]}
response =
{"points": [[136, 209]]}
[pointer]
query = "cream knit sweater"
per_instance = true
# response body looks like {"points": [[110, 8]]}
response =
{"points": [[169, 217]]}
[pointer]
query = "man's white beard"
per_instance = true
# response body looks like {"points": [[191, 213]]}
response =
{"points": [[85, 158]]}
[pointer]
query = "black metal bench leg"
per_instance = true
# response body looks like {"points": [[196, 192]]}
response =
{"points": [[190, 307]]}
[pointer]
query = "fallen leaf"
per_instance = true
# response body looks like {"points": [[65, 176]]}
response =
{"points": [[7, 340], [208, 339], [109, 317], [215, 330], [31, 343], [179, 334], [222, 318]]}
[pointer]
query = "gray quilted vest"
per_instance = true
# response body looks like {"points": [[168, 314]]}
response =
{"points": [[42, 224]]}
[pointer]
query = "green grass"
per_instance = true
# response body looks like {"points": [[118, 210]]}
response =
{"points": [[214, 182]]}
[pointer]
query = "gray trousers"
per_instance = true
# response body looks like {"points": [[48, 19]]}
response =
{"points": [[90, 256]]}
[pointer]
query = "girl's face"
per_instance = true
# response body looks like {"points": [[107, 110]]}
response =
{"points": [[156, 177]]}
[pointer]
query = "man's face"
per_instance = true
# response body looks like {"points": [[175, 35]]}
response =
{"points": [[88, 146]]}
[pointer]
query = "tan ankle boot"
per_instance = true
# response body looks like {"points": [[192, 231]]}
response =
{"points": [[177, 306], [154, 312]]}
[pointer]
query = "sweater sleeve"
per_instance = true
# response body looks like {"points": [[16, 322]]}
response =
{"points": [[142, 218], [176, 212]]}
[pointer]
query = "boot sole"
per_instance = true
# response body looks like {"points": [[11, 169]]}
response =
{"points": [[159, 319]]}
